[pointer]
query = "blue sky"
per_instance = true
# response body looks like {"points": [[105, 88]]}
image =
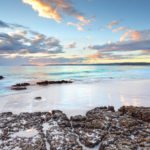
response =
{"points": [[77, 31]]}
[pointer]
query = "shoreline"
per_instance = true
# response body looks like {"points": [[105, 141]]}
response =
{"points": [[77, 98], [101, 128]]}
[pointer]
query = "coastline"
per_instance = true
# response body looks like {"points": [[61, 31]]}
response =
{"points": [[101, 128], [76, 98], [72, 116]]}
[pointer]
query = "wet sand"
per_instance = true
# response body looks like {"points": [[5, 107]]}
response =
{"points": [[77, 98]]}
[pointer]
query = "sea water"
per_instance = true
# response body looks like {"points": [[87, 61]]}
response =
{"points": [[76, 73]]}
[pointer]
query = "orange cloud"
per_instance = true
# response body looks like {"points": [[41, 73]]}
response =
{"points": [[79, 27], [111, 24], [94, 55], [82, 19], [53, 9], [146, 51], [119, 29], [44, 10], [131, 34]]}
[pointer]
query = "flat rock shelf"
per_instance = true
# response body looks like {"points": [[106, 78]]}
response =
{"points": [[101, 128]]}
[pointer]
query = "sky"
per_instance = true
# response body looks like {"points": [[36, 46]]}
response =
{"points": [[41, 32]]}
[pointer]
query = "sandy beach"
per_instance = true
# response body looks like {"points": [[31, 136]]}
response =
{"points": [[77, 98]]}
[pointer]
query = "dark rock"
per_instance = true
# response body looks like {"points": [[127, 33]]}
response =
{"points": [[78, 118], [62, 138], [21, 84], [122, 130], [1, 77], [19, 88], [44, 83], [126, 132], [77, 124], [142, 113], [111, 108], [38, 98]]}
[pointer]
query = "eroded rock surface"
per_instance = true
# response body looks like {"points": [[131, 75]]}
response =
{"points": [[127, 133], [142, 113], [94, 126], [102, 127]]}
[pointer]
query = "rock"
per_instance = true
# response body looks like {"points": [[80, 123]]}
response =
{"points": [[142, 113], [62, 138], [38, 98], [126, 132], [111, 108], [122, 130], [1, 77], [78, 118], [92, 127], [44, 83], [21, 84], [18, 88]]}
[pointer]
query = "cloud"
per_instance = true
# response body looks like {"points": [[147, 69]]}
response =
{"points": [[71, 45], [111, 24], [13, 61], [27, 42], [3, 24], [58, 60], [138, 40], [120, 29], [97, 55], [146, 51], [79, 26], [11, 26], [54, 9], [123, 46], [131, 34], [135, 35]]}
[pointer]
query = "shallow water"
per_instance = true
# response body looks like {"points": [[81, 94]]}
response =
{"points": [[79, 73], [93, 86]]}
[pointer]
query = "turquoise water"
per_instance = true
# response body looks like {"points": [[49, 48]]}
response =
{"points": [[79, 73]]}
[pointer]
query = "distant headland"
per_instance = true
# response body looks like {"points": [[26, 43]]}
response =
{"points": [[109, 64]]}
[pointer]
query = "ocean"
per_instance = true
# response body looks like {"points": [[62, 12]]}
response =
{"points": [[77, 73]]}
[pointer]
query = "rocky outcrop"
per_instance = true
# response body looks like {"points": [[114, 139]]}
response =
{"points": [[23, 86], [53, 130], [1, 77], [137, 112], [44, 83], [92, 128], [20, 86]]}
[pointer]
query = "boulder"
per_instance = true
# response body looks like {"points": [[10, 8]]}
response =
{"points": [[38, 98]]}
